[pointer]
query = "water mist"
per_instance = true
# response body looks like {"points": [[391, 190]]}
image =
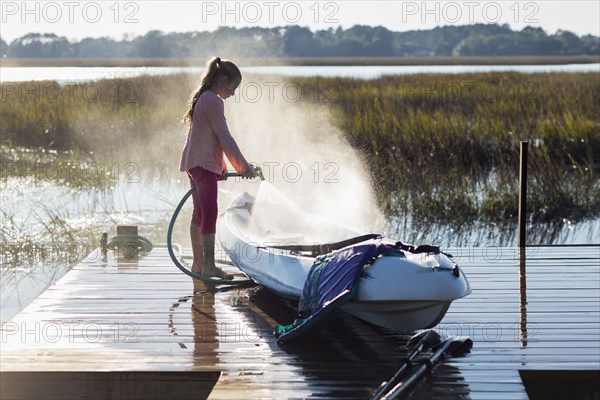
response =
{"points": [[305, 159]]}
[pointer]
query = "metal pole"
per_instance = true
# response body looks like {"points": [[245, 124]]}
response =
{"points": [[523, 241], [523, 195]]}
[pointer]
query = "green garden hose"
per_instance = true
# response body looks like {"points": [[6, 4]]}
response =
{"points": [[130, 240], [216, 281]]}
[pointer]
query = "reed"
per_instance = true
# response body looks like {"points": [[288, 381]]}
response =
{"points": [[441, 147], [449, 145], [47, 238], [104, 116], [37, 231]]}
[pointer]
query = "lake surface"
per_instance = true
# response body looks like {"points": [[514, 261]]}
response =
{"points": [[86, 74], [150, 205]]}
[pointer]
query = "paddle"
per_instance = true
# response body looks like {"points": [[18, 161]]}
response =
{"points": [[424, 339], [455, 346]]}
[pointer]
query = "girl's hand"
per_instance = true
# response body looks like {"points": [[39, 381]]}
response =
{"points": [[222, 177], [249, 172]]}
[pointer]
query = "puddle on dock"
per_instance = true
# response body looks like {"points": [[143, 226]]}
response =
{"points": [[233, 330], [516, 325]]}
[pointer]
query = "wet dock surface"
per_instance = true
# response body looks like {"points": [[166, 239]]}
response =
{"points": [[145, 317]]}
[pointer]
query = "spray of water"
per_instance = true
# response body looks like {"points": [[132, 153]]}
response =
{"points": [[314, 178]]}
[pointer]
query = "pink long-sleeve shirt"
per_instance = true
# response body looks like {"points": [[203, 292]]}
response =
{"points": [[209, 138]]}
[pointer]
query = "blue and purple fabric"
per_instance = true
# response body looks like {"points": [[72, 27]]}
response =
{"points": [[331, 282]]}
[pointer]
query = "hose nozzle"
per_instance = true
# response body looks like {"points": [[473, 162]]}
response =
{"points": [[259, 173]]}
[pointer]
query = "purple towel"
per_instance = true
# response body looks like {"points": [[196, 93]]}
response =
{"points": [[333, 274]]}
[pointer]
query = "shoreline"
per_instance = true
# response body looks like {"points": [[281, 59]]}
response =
{"points": [[305, 61]]}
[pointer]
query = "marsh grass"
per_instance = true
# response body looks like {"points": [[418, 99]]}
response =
{"points": [[439, 147], [447, 146], [52, 241], [442, 151], [38, 231], [105, 116]]}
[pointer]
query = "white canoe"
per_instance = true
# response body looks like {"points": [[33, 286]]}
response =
{"points": [[406, 292]]}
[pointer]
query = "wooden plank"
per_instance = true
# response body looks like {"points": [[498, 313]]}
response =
{"points": [[145, 317], [102, 385]]}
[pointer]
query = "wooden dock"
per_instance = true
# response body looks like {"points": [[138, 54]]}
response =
{"points": [[139, 331]]}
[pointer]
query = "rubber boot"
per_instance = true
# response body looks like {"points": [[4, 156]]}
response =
{"points": [[197, 250], [209, 268]]}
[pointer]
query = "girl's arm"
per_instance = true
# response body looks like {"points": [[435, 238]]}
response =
{"points": [[215, 111]]}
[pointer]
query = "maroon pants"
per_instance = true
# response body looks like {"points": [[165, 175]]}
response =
{"points": [[205, 199]]}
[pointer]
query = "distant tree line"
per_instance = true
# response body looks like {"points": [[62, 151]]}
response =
{"points": [[295, 41]]}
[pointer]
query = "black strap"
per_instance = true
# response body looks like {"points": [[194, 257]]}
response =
{"points": [[424, 248], [318, 249]]}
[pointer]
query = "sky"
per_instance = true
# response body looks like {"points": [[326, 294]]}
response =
{"points": [[121, 19]]}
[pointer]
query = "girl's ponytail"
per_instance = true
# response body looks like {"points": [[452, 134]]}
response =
{"points": [[212, 66], [208, 78]]}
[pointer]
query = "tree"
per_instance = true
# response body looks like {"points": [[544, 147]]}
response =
{"points": [[299, 42], [296, 41], [571, 42], [534, 32], [35, 45], [150, 45], [591, 44], [97, 48], [3, 48], [442, 40], [382, 41]]}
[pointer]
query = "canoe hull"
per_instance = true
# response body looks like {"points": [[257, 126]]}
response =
{"points": [[404, 292], [403, 316]]}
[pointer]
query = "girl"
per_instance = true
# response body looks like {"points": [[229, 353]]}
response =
{"points": [[202, 158]]}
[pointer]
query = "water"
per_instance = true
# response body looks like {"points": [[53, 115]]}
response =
{"points": [[42, 219], [86, 74], [276, 218], [28, 206], [150, 203], [489, 235], [21, 285]]}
